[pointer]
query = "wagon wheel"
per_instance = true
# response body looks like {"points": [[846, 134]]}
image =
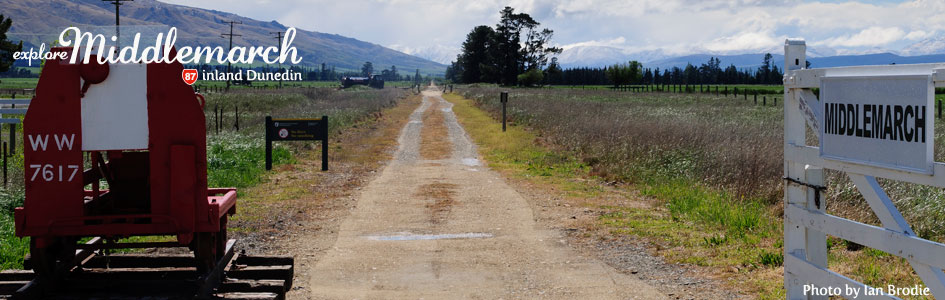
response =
{"points": [[209, 247], [52, 262]]}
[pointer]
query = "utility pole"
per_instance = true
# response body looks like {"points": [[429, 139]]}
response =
{"points": [[279, 37], [231, 35], [117, 4]]}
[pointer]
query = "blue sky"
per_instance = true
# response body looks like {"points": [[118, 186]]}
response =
{"points": [[669, 26]]}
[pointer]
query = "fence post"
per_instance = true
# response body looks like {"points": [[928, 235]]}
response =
{"points": [[764, 100], [325, 144], [220, 119], [939, 108], [12, 132], [799, 241], [12, 138], [269, 143], [756, 98], [216, 118], [237, 123], [504, 98], [4, 164]]}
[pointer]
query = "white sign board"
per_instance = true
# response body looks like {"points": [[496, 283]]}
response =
{"points": [[115, 112], [883, 121]]}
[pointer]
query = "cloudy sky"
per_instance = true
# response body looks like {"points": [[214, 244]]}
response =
{"points": [[435, 27]]}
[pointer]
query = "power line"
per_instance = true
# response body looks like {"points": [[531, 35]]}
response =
{"points": [[230, 35], [117, 4], [279, 37]]}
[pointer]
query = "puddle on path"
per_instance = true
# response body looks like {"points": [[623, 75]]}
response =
{"points": [[418, 237], [472, 162]]}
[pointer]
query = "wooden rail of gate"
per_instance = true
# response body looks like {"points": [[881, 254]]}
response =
{"points": [[806, 222]]}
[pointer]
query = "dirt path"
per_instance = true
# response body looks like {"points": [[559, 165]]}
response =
{"points": [[452, 228]]}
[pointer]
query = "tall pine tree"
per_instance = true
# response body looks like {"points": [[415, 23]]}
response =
{"points": [[7, 47]]}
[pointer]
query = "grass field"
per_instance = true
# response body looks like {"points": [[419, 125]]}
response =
{"points": [[234, 158], [29, 83], [710, 167], [17, 83], [708, 89]]}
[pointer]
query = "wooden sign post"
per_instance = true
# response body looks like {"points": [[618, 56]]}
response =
{"points": [[297, 130]]}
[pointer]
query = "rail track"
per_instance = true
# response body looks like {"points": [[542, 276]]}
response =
{"points": [[135, 276]]}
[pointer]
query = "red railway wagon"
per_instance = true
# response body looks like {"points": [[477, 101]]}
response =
{"points": [[141, 130]]}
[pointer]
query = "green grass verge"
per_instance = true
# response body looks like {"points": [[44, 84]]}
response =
{"points": [[17, 83], [12, 248], [235, 160], [697, 225]]}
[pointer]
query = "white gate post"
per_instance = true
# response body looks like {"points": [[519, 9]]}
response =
{"points": [[798, 240], [844, 148], [816, 241]]}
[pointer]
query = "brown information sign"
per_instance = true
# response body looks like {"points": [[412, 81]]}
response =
{"points": [[297, 130]]}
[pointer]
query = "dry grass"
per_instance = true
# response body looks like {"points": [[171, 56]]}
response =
{"points": [[716, 236], [723, 143], [434, 140], [641, 138], [442, 196], [715, 155], [302, 192]]}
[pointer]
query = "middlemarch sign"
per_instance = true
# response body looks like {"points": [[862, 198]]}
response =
{"points": [[884, 121], [871, 122]]}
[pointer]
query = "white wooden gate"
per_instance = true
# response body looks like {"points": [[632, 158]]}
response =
{"points": [[805, 220]]}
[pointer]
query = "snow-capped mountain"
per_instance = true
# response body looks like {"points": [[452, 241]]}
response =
{"points": [[599, 56], [438, 53], [580, 56], [925, 47]]}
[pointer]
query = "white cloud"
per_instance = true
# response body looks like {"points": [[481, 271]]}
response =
{"points": [[677, 26], [869, 37], [918, 35], [618, 42], [744, 41]]}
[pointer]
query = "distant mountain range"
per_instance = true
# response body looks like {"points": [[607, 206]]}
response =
{"points": [[751, 61], [438, 53], [926, 51], [39, 21]]}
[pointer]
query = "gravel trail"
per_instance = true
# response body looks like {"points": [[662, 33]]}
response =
{"points": [[452, 228]]}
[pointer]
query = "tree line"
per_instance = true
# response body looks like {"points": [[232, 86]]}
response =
{"points": [[7, 48], [514, 52], [389, 74], [708, 73]]}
